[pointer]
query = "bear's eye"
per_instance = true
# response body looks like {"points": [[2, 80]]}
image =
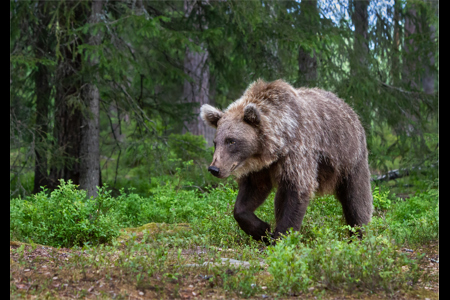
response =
{"points": [[230, 142]]}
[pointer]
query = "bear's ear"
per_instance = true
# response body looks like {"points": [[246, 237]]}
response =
{"points": [[251, 114], [210, 115]]}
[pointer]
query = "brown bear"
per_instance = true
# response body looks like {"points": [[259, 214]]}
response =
{"points": [[303, 141]]}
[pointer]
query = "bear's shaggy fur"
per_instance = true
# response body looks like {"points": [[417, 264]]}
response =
{"points": [[302, 141]]}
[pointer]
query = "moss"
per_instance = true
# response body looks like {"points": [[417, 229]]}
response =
{"points": [[18, 244], [423, 294], [152, 229]]}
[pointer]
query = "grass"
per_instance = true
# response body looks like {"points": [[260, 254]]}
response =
{"points": [[181, 254]]}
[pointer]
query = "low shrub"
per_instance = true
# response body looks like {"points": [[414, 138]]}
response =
{"points": [[370, 264], [381, 199], [417, 218], [65, 217]]}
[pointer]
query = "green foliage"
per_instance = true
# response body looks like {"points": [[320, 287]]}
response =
{"points": [[380, 199], [140, 74], [189, 147], [219, 220], [63, 218], [167, 203], [416, 219], [289, 266], [242, 284], [375, 262], [322, 254], [148, 161]]}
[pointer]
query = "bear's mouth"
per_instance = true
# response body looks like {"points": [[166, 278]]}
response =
{"points": [[234, 167]]}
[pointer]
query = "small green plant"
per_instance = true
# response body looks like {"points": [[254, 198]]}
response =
{"points": [[288, 266], [243, 283], [65, 217], [380, 199]]}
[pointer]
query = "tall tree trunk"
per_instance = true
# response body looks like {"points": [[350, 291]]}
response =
{"points": [[196, 90], [395, 65], [409, 66], [42, 88], [90, 148], [429, 73], [410, 75], [42, 103], [360, 42], [66, 164], [307, 64], [428, 63], [68, 118], [417, 22]]}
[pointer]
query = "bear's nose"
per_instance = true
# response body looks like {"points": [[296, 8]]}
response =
{"points": [[214, 170]]}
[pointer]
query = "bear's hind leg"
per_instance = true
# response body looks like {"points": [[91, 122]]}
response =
{"points": [[355, 195], [253, 191]]}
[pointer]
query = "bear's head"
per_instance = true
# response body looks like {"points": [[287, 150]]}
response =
{"points": [[237, 142]]}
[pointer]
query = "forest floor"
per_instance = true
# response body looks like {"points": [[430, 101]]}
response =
{"points": [[38, 272]]}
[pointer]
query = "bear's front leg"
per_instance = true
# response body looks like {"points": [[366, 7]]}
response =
{"points": [[253, 191], [290, 208]]}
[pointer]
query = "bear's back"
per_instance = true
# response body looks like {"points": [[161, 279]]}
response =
{"points": [[334, 126]]}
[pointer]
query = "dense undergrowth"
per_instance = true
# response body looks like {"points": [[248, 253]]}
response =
{"points": [[322, 254]]}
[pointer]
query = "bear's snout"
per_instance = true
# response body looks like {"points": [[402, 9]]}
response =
{"points": [[214, 170]]}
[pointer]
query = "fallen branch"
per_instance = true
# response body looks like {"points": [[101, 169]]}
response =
{"points": [[398, 173]]}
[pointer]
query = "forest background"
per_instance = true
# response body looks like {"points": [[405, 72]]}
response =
{"points": [[109, 91]]}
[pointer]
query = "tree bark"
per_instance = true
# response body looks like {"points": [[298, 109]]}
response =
{"points": [[307, 64], [196, 90], [43, 89], [65, 162], [90, 147], [417, 22], [42, 103], [429, 73], [395, 67], [410, 76], [360, 43], [428, 63], [409, 67]]}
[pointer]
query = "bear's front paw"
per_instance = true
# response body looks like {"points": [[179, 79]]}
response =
{"points": [[267, 240]]}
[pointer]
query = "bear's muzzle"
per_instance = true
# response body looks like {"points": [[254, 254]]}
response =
{"points": [[214, 171]]}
